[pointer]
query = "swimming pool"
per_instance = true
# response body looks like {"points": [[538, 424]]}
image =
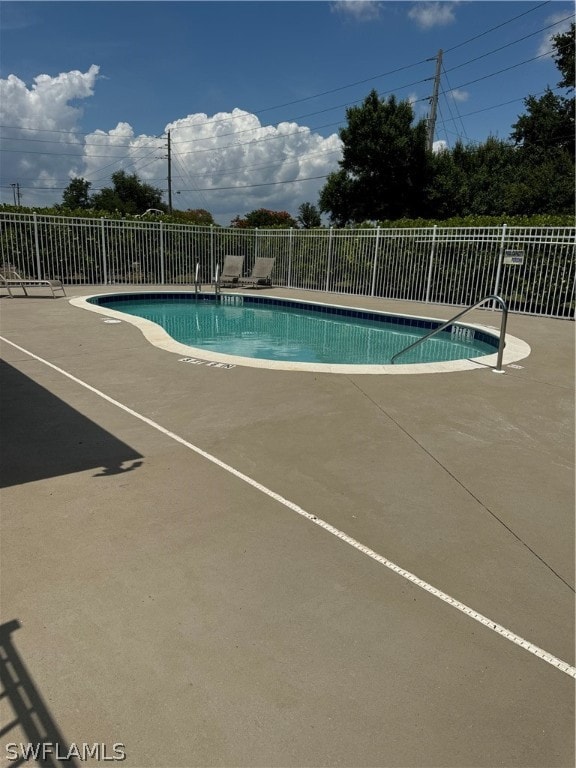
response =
{"points": [[281, 333]]}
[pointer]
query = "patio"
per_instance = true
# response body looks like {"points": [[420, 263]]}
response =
{"points": [[167, 604]]}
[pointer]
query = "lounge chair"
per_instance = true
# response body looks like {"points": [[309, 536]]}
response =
{"points": [[9, 278], [231, 270], [261, 272]]}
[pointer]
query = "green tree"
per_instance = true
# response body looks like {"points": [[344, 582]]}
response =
{"points": [[542, 184], [498, 179], [337, 198], [448, 191], [77, 194], [471, 180], [385, 165], [262, 217], [128, 195], [309, 216], [544, 135], [547, 125], [534, 175], [491, 169], [564, 45]]}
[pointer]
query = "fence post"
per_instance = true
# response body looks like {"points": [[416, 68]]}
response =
{"points": [[500, 260], [211, 253], [37, 247], [103, 252], [431, 264], [329, 264], [290, 250], [375, 262], [162, 270]]}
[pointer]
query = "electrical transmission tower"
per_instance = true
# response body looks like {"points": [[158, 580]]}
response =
{"points": [[434, 102], [16, 192]]}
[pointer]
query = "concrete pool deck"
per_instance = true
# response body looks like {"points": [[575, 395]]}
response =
{"points": [[180, 569]]}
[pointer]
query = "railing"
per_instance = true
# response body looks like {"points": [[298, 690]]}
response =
{"points": [[442, 326], [436, 265]]}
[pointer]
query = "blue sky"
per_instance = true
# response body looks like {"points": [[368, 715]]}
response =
{"points": [[253, 93]]}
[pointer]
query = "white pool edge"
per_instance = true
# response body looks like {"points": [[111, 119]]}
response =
{"points": [[515, 349]]}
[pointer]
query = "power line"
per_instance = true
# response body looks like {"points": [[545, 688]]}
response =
{"points": [[282, 162], [216, 189], [135, 161], [343, 87], [306, 130], [394, 71], [334, 90], [501, 104], [300, 130], [271, 165], [500, 71], [455, 106], [498, 26], [250, 186], [300, 117], [75, 143], [185, 174], [508, 45], [53, 154], [340, 106], [124, 158], [332, 151]]}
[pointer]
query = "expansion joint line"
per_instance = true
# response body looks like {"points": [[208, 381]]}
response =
{"points": [[464, 487]]}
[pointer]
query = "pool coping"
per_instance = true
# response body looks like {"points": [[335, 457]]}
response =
{"points": [[515, 349]]}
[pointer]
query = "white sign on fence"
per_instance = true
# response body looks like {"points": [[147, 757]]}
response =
{"points": [[513, 257]]}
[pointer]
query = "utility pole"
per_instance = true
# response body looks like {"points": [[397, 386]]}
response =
{"points": [[434, 102], [16, 193], [169, 175]]}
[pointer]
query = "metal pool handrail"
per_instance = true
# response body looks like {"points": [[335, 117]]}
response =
{"points": [[501, 342]]}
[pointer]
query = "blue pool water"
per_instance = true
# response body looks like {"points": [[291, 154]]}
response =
{"points": [[277, 329]]}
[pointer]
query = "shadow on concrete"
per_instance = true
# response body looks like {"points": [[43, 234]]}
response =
{"points": [[30, 717], [42, 436]]}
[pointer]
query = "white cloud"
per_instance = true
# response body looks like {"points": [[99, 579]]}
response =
{"points": [[221, 160], [546, 44], [439, 146], [228, 163], [432, 14], [45, 104], [39, 136], [459, 95], [361, 10]]}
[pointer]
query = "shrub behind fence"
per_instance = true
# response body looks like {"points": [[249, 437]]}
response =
{"points": [[456, 266]]}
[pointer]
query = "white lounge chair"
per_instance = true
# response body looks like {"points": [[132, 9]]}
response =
{"points": [[9, 278], [261, 272]]}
